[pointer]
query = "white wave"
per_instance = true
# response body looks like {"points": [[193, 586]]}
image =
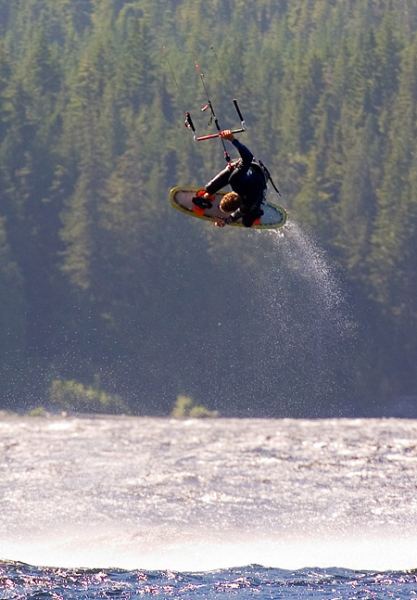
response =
{"points": [[118, 548]]}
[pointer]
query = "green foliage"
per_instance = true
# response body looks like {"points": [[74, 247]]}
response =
{"points": [[184, 408], [73, 396], [38, 411], [12, 302]]}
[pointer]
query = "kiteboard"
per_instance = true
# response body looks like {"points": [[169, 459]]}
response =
{"points": [[274, 216]]}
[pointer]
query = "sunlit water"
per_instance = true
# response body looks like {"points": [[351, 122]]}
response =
{"points": [[182, 504]]}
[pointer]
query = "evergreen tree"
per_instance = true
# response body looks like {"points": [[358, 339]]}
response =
{"points": [[13, 309], [92, 97]]}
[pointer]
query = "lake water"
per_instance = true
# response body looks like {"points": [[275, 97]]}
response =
{"points": [[128, 507]]}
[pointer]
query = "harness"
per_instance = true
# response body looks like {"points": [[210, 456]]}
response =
{"points": [[268, 176], [259, 166]]}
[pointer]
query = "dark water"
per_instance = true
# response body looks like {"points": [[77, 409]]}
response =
{"points": [[21, 581]]}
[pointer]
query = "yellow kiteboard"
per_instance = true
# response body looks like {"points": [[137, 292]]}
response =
{"points": [[274, 216]]}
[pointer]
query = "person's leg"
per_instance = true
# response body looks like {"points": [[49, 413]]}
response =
{"points": [[249, 219], [219, 181]]}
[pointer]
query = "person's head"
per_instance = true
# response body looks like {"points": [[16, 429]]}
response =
{"points": [[230, 202]]}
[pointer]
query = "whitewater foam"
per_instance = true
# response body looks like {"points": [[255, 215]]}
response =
{"points": [[207, 551], [202, 495]]}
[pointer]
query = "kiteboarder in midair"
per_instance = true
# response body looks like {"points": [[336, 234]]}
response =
{"points": [[248, 182]]}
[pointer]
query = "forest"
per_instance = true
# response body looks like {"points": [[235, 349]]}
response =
{"points": [[103, 287]]}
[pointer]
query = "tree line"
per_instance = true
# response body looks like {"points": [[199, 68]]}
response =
{"points": [[99, 280]]}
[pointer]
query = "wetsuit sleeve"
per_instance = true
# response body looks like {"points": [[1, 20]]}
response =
{"points": [[235, 216], [245, 153]]}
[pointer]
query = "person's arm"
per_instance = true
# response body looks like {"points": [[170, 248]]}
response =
{"points": [[232, 218], [245, 153]]}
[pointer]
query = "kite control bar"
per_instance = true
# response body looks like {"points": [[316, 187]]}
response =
{"points": [[211, 136]]}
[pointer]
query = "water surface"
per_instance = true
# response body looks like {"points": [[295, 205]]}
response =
{"points": [[195, 495]]}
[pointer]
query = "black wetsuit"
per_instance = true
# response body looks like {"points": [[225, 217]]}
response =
{"points": [[246, 178]]}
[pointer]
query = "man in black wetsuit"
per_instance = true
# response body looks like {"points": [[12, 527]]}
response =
{"points": [[247, 181]]}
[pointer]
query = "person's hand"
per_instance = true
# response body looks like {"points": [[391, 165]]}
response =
{"points": [[226, 134], [218, 222]]}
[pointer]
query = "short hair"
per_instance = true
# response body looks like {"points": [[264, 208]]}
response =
{"points": [[230, 202]]}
